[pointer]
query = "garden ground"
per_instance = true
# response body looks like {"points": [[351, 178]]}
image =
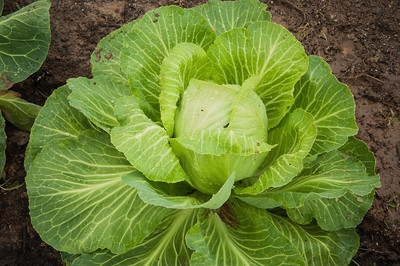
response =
{"points": [[359, 39]]}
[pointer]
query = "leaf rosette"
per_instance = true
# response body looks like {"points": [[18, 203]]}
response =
{"points": [[206, 136]]}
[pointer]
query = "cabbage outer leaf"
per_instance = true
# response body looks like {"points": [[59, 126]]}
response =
{"points": [[96, 99], [270, 55], [236, 234], [145, 144], [227, 15], [333, 214], [166, 246], [293, 138], [316, 246], [155, 194], [330, 102], [78, 202], [361, 153], [334, 188], [184, 62], [239, 235], [150, 42], [105, 60], [56, 120]]}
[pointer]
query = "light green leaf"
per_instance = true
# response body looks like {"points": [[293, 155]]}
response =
{"points": [[266, 53], [150, 41], [330, 102], [333, 214], [145, 144], [209, 106], [360, 151], [316, 246], [345, 182], [166, 246], [19, 112], [211, 157], [205, 105], [3, 144], [222, 142], [184, 62], [78, 202], [293, 138], [56, 120], [335, 189], [105, 60], [224, 16], [333, 173], [228, 55], [238, 234], [1, 6], [96, 99], [68, 258], [24, 42], [155, 194]]}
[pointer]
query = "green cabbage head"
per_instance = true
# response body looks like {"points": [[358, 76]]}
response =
{"points": [[206, 136]]}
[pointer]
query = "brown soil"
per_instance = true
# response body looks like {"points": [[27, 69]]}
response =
{"points": [[360, 39]]}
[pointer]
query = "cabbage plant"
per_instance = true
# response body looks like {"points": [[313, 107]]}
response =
{"points": [[206, 136]]}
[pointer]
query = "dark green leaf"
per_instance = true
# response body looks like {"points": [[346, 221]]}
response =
{"points": [[24, 42]]}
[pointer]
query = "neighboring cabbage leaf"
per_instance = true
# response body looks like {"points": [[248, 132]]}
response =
{"points": [[24, 42]]}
